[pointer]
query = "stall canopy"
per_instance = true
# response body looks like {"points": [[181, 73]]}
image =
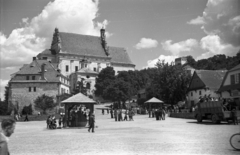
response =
{"points": [[77, 109], [154, 103]]}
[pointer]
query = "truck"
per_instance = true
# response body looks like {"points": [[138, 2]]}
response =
{"points": [[215, 111]]}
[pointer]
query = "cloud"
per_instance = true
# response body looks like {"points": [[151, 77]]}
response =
{"points": [[212, 45], [183, 46], [167, 59], [69, 16], [198, 21], [35, 35], [222, 18], [146, 43]]}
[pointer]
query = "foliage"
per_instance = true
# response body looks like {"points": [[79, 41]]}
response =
{"points": [[44, 103], [105, 78], [3, 108], [217, 62], [27, 110], [169, 83]]}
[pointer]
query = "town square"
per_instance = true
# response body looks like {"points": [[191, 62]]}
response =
{"points": [[127, 77]]}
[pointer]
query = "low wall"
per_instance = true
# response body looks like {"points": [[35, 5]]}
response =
{"points": [[182, 115]]}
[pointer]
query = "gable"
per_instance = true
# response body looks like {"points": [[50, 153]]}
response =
{"points": [[196, 83]]}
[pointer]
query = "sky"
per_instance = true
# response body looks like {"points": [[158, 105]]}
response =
{"points": [[150, 30]]}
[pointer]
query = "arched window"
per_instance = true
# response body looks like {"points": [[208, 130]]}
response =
{"points": [[88, 85]]}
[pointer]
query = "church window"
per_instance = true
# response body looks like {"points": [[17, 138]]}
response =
{"points": [[94, 69], [76, 68], [34, 89], [27, 77], [236, 78], [29, 89], [67, 68], [88, 85]]}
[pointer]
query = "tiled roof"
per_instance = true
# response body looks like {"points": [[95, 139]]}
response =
{"points": [[119, 55], [211, 78], [235, 68], [154, 100], [81, 44], [35, 68], [79, 98]]}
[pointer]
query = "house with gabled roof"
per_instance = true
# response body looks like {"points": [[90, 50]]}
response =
{"points": [[230, 86], [204, 83], [35, 79], [75, 52]]}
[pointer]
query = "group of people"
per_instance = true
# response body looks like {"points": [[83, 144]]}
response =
{"points": [[52, 121], [121, 115], [159, 113]]}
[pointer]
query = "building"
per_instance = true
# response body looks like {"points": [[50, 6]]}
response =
{"points": [[35, 79], [180, 61], [190, 70], [82, 57], [230, 87], [204, 82]]}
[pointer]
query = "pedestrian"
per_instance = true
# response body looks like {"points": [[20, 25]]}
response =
{"points": [[8, 127], [149, 112], [126, 113], [107, 111], [234, 118], [48, 121], [153, 113], [120, 114], [91, 122], [131, 113], [157, 114], [60, 121], [163, 114], [26, 117], [103, 111], [116, 114], [111, 112], [160, 114]]}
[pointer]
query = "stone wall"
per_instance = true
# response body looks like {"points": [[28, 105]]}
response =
{"points": [[20, 92]]}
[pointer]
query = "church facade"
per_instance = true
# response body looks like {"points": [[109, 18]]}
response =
{"points": [[81, 57]]}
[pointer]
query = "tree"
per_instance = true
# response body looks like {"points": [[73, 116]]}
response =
{"points": [[3, 108], [44, 103], [169, 83], [105, 78], [118, 91]]}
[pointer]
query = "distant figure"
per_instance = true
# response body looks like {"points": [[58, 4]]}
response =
{"points": [[107, 111], [103, 111], [26, 118], [157, 114], [130, 114], [116, 115], [7, 129], [153, 113], [91, 122], [48, 121], [234, 117], [149, 112], [160, 114], [111, 112], [125, 117], [163, 114], [60, 120]]}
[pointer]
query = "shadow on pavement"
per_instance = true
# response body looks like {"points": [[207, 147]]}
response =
{"points": [[209, 123]]}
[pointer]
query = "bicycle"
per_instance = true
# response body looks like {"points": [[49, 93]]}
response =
{"points": [[235, 141]]}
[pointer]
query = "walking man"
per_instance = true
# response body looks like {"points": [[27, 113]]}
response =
{"points": [[116, 115], [103, 111], [91, 123], [111, 111], [163, 114], [26, 118], [8, 127]]}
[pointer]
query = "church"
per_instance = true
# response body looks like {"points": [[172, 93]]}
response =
{"points": [[81, 57], [72, 58]]}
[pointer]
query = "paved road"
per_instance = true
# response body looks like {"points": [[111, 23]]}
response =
{"points": [[143, 136]]}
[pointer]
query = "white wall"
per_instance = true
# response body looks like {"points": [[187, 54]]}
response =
{"points": [[228, 79]]}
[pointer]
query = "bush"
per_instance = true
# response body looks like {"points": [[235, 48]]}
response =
{"points": [[27, 110]]}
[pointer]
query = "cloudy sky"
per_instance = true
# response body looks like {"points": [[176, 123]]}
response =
{"points": [[148, 29]]}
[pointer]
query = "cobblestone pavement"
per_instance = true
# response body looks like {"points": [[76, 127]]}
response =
{"points": [[143, 136]]}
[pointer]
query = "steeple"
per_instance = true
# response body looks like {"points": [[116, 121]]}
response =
{"points": [[56, 42]]}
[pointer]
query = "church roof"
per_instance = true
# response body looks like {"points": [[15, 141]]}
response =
{"points": [[81, 44], [119, 55], [91, 46]]}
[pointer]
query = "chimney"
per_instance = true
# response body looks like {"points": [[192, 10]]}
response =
{"points": [[103, 40], [43, 71], [34, 58]]}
